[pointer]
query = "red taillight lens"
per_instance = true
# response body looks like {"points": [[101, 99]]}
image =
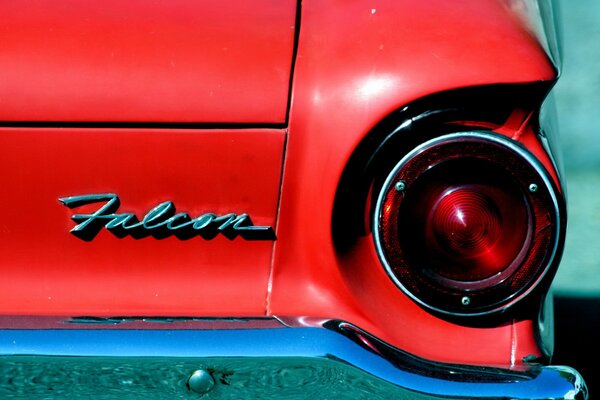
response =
{"points": [[467, 223], [466, 227]]}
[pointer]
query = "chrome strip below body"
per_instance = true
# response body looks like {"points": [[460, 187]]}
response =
{"points": [[254, 358]]}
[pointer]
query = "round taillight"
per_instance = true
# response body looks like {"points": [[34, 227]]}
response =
{"points": [[467, 223]]}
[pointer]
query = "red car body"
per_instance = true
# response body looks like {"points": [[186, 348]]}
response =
{"points": [[249, 107]]}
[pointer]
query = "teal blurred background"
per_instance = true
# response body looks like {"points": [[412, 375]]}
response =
{"points": [[578, 99], [577, 284]]}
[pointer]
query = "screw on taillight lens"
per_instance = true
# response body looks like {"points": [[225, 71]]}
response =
{"points": [[460, 227]]}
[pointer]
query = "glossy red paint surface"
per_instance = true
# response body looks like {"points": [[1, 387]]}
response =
{"points": [[47, 270], [357, 62], [230, 62], [140, 61]]}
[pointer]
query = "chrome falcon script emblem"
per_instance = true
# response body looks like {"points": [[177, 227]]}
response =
{"points": [[160, 222]]}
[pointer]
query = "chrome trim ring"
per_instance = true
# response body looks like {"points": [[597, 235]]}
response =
{"points": [[518, 150]]}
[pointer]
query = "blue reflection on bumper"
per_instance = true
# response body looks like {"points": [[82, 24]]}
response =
{"points": [[333, 341]]}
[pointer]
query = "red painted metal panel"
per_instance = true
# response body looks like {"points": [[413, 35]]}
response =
{"points": [[185, 61], [357, 62], [159, 61], [47, 270]]}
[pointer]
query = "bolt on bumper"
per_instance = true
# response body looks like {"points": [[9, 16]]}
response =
{"points": [[243, 358]]}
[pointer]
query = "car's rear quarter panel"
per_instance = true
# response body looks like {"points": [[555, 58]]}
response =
{"points": [[357, 63]]}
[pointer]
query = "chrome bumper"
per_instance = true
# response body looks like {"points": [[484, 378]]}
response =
{"points": [[242, 358]]}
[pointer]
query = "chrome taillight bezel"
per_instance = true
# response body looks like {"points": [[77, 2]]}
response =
{"points": [[547, 188]]}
